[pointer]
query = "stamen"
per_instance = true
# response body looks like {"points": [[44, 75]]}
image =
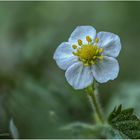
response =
{"points": [[86, 64], [92, 62], [83, 60], [101, 50], [97, 51], [75, 53], [96, 40], [74, 46], [88, 53], [95, 47], [80, 42], [88, 39], [101, 57]]}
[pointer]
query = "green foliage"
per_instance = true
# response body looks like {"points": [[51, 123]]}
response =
{"points": [[43, 111], [42, 101], [80, 130], [125, 121], [127, 94], [84, 130]]}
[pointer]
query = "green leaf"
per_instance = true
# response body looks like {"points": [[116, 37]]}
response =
{"points": [[125, 121], [80, 130], [84, 130]]}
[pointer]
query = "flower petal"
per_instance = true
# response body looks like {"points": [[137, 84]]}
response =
{"points": [[79, 76], [81, 32], [106, 69], [64, 56], [110, 42]]}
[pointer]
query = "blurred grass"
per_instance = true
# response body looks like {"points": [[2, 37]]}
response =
{"points": [[32, 86]]}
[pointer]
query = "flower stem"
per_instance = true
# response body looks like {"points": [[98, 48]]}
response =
{"points": [[94, 103]]}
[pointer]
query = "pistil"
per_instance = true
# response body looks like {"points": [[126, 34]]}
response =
{"points": [[88, 53]]}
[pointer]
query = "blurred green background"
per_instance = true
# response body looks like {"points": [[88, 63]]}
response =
{"points": [[33, 90]]}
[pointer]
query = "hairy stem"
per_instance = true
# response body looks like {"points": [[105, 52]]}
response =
{"points": [[94, 103]]}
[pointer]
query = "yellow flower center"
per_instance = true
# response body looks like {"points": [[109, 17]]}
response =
{"points": [[88, 53]]}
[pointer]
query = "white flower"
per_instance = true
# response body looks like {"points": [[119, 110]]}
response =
{"points": [[88, 56]]}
